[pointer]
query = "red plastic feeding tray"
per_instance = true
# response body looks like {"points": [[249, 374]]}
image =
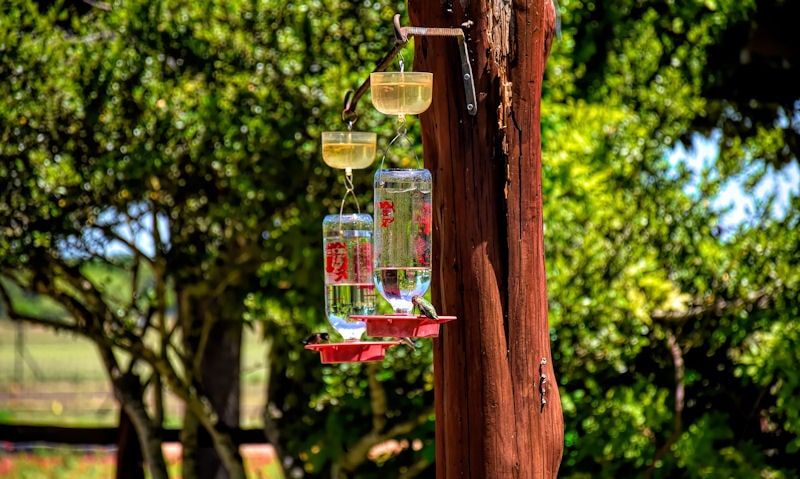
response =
{"points": [[402, 325], [352, 351]]}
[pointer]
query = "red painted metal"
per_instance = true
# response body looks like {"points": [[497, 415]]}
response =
{"points": [[352, 351], [402, 325]]}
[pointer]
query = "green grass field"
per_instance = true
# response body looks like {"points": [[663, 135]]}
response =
{"points": [[57, 379], [49, 378]]}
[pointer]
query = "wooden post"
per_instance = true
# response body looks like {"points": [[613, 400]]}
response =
{"points": [[495, 417]]}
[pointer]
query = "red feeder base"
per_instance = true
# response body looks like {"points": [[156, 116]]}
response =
{"points": [[402, 325], [352, 351]]}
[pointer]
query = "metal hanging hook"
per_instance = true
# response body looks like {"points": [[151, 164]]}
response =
{"points": [[401, 37], [349, 114]]}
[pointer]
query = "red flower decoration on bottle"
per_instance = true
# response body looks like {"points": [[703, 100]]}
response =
{"points": [[387, 213], [422, 249], [424, 219], [336, 262]]}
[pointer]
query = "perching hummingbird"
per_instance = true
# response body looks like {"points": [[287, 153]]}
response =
{"points": [[425, 307], [409, 343], [316, 338]]}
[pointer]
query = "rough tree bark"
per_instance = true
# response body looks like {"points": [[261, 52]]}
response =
{"points": [[498, 412]]}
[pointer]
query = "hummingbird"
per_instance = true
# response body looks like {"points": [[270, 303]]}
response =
{"points": [[316, 338], [425, 307], [409, 343]]}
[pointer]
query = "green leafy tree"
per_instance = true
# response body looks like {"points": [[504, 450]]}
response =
{"points": [[195, 125], [663, 319]]}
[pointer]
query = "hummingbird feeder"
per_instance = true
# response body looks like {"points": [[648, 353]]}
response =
{"points": [[349, 289], [402, 252], [403, 220], [347, 246], [347, 249], [392, 253], [402, 206]]}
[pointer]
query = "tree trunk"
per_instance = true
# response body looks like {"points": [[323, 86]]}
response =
{"points": [[221, 379], [213, 334], [498, 412], [129, 451], [128, 392], [149, 439]]}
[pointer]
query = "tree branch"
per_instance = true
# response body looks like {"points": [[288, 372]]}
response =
{"points": [[717, 306], [377, 396], [677, 421], [108, 231], [358, 452], [95, 320], [101, 5], [17, 316]]}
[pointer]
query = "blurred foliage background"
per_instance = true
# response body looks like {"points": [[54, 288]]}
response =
{"points": [[186, 135]]}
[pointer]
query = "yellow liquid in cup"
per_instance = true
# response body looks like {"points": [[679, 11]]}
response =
{"points": [[401, 93], [348, 155]]}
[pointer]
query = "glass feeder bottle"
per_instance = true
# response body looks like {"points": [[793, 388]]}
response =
{"points": [[402, 254], [349, 290]]}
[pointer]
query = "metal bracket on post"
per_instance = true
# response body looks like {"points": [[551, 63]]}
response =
{"points": [[402, 35]]}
